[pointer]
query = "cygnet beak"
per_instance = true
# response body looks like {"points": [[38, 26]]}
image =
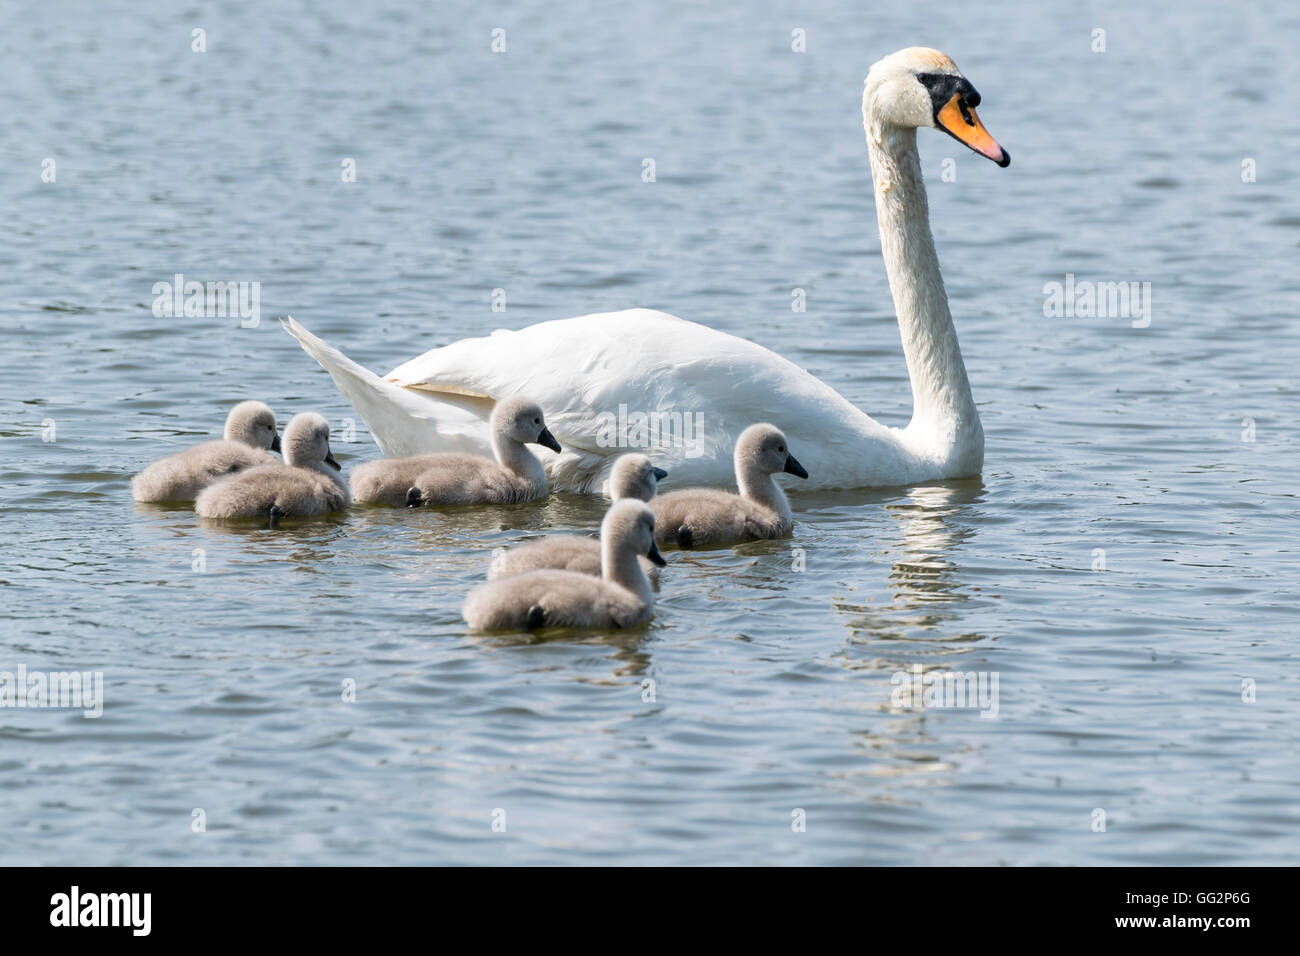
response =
{"points": [[547, 439]]}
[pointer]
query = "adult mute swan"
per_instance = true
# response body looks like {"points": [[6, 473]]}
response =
{"points": [[645, 380]]}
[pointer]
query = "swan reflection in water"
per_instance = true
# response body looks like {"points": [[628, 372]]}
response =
{"points": [[914, 619], [923, 580]]}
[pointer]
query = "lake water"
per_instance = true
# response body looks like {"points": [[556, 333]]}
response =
{"points": [[1126, 566]]}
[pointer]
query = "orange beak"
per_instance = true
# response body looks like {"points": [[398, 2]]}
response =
{"points": [[960, 122]]}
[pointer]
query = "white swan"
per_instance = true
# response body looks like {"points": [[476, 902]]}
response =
{"points": [[593, 372], [620, 597]]}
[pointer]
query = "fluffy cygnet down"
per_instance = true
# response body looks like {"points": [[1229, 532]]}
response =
{"points": [[704, 517], [633, 476], [620, 597], [250, 431], [307, 485], [455, 479]]}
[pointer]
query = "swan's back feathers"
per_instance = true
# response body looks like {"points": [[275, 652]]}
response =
{"points": [[630, 381], [611, 383], [583, 371]]}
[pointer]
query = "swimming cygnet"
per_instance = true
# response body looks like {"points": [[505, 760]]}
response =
{"points": [[620, 597], [455, 479], [250, 430], [700, 517], [633, 476], [307, 485]]}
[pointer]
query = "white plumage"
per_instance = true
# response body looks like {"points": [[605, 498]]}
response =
{"points": [[589, 370]]}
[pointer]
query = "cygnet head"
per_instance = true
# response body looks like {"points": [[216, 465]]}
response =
{"points": [[763, 448], [635, 476], [630, 522], [252, 423], [307, 442], [522, 421], [920, 87]]}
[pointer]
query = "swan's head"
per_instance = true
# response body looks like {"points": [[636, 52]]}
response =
{"points": [[923, 87], [630, 523], [763, 448], [252, 423], [307, 441], [635, 476], [522, 421]]}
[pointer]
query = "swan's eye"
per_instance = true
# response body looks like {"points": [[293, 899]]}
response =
{"points": [[537, 421]]}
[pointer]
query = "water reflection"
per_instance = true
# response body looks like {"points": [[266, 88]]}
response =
{"points": [[627, 655], [923, 582]]}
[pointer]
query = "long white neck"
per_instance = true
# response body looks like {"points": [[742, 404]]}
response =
{"points": [[942, 406], [519, 461], [619, 565]]}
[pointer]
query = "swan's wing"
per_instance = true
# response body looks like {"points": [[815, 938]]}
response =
{"points": [[598, 372], [608, 383]]}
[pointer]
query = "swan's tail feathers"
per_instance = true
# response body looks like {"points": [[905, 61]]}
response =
{"points": [[347, 374], [403, 421]]}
